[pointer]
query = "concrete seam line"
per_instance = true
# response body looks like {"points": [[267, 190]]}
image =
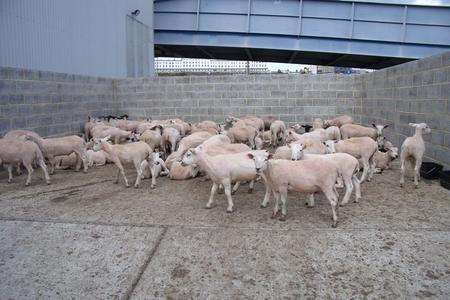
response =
{"points": [[145, 265], [154, 225]]}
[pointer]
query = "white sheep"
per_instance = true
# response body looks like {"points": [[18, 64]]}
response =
{"points": [[412, 151], [362, 148], [382, 160], [355, 130], [134, 153], [338, 121], [305, 176], [277, 133], [154, 170], [66, 145], [222, 170], [347, 166], [169, 139], [24, 151]]}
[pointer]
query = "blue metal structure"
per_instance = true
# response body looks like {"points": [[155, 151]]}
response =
{"points": [[366, 34]]}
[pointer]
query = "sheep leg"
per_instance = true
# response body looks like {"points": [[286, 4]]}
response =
{"points": [[417, 172], [332, 197], [18, 169], [211, 196], [154, 174], [371, 170], [339, 183], [227, 186], [137, 165], [366, 167], [10, 177], [250, 186], [30, 171], [348, 191], [310, 203], [266, 197], [283, 196], [52, 163], [121, 171], [81, 159], [235, 187], [220, 190], [42, 165], [402, 172], [357, 186], [276, 206]]}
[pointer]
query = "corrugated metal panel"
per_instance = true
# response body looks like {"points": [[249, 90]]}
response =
{"points": [[81, 37]]}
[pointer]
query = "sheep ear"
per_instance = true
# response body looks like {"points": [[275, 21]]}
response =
{"points": [[373, 125], [385, 126], [251, 156]]}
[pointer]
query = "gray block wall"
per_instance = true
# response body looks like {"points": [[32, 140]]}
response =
{"points": [[58, 103], [414, 92], [292, 98], [51, 103]]}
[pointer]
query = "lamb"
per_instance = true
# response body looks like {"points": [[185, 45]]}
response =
{"points": [[169, 139], [382, 160], [346, 164], [134, 153], [412, 151], [355, 130], [362, 148], [154, 170], [22, 151], [242, 133], [53, 147], [278, 132], [338, 121], [223, 170], [268, 120], [64, 162], [305, 176]]}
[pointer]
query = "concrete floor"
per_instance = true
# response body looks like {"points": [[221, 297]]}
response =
{"points": [[85, 237]]}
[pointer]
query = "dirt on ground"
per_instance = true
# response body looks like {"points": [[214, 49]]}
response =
{"points": [[85, 237]]}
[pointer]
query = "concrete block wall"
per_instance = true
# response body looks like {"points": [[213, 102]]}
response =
{"points": [[51, 103], [413, 92], [292, 98]]}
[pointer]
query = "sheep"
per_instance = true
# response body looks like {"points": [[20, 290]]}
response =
{"points": [[223, 170], [412, 151], [154, 170], [346, 164], [362, 148], [152, 137], [64, 162], [127, 125], [305, 176], [292, 136], [208, 126], [184, 127], [355, 130], [116, 134], [25, 150], [268, 121], [338, 121], [65, 146], [134, 153], [14, 134], [180, 172], [255, 122], [382, 160], [169, 139], [317, 123], [297, 128], [89, 125], [242, 133], [97, 158], [277, 132], [333, 133]]}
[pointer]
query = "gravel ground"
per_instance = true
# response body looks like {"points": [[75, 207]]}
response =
{"points": [[85, 237]]}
